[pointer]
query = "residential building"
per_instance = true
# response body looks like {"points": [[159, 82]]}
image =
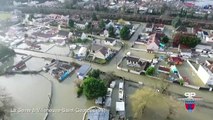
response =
{"points": [[158, 27], [105, 33], [82, 52], [137, 62], [153, 42], [83, 70], [149, 27], [110, 41], [101, 52]]}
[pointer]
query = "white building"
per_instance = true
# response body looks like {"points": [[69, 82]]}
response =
{"points": [[149, 27], [82, 52], [109, 41], [84, 36], [205, 72], [101, 52]]}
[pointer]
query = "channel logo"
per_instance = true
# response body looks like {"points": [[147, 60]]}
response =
{"points": [[190, 100]]}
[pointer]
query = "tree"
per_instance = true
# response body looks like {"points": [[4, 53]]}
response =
{"points": [[89, 27], [71, 23], [147, 101], [95, 73], [176, 22], [94, 17], [94, 88], [111, 31], [101, 24], [189, 41], [165, 39], [5, 52], [124, 33], [150, 71]]}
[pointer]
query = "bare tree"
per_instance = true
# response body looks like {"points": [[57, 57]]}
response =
{"points": [[5, 104], [147, 103]]}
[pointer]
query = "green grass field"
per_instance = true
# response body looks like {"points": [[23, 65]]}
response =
{"points": [[5, 16]]}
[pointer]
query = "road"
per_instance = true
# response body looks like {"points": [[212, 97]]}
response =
{"points": [[110, 67]]}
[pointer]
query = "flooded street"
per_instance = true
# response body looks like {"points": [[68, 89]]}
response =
{"points": [[64, 96]]}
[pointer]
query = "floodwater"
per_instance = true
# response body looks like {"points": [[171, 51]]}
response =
{"points": [[33, 92], [201, 2], [27, 92]]}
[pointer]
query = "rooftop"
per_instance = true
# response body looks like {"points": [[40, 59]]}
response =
{"points": [[98, 114]]}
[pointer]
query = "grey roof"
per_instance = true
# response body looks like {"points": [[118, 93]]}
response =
{"points": [[63, 33], [77, 34], [104, 50], [96, 47], [102, 114], [84, 69], [132, 59], [111, 40], [43, 35]]}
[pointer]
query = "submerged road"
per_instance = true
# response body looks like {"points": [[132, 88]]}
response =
{"points": [[111, 67]]}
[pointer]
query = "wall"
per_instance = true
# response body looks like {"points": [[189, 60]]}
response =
{"points": [[193, 68], [134, 72], [203, 74]]}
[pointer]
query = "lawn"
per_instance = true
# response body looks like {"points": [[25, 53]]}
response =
{"points": [[5, 16]]}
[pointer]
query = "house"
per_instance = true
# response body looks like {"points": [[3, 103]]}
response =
{"points": [[207, 37], [142, 39], [100, 52], [137, 62], [175, 60], [105, 33], [83, 70], [204, 35], [82, 52], [84, 36], [185, 52], [41, 37], [76, 35], [66, 34], [80, 25], [158, 27], [153, 42], [110, 41], [111, 23], [149, 27]]}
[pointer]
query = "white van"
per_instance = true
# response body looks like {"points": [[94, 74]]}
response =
{"points": [[121, 85]]}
